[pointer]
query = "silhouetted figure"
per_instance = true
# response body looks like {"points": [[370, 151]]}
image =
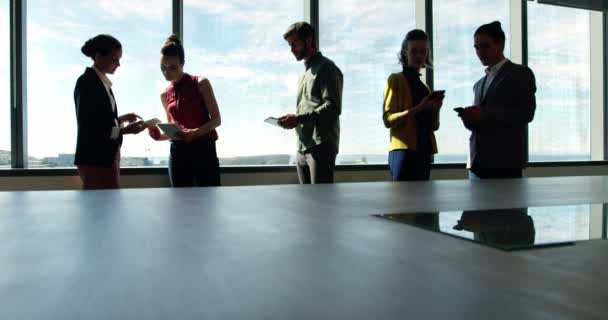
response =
{"points": [[317, 118], [504, 105], [504, 228], [100, 128], [190, 103], [411, 113]]}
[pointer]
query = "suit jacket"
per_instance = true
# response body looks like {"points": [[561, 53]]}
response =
{"points": [[501, 138], [95, 118], [505, 228]]}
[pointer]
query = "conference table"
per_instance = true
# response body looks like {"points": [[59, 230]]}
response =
{"points": [[295, 252]]}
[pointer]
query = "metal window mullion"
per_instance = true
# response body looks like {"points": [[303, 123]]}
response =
{"points": [[428, 27], [178, 18], [18, 84], [524, 32], [524, 60], [605, 86], [597, 86], [312, 13], [605, 221]]}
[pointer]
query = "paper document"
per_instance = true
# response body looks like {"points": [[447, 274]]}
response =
{"points": [[170, 129], [273, 121]]}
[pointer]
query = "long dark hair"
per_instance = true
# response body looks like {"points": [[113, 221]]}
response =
{"points": [[415, 34], [102, 44]]}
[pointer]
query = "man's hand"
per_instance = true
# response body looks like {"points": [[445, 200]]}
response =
{"points": [[289, 121], [133, 128], [129, 117], [471, 116]]}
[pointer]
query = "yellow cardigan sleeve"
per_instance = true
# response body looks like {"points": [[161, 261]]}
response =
{"points": [[397, 98]]}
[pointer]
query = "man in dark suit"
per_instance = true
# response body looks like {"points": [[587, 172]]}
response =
{"points": [[504, 228], [504, 105]]}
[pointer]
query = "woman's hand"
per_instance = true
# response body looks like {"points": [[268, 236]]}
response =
{"points": [[187, 135], [154, 132], [427, 103], [431, 103]]}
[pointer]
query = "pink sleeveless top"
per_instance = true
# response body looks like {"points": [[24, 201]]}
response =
{"points": [[186, 106]]}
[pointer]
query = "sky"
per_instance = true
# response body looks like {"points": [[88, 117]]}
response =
{"points": [[456, 66], [564, 87], [359, 39], [238, 45]]}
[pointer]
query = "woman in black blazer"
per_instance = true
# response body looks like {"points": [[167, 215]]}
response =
{"points": [[99, 126]]}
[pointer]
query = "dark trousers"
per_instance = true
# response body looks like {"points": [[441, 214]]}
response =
{"points": [[409, 165], [317, 164], [194, 164], [502, 173]]}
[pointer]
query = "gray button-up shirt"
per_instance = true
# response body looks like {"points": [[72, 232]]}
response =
{"points": [[319, 104]]}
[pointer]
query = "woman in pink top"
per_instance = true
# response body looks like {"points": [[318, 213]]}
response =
{"points": [[190, 103]]}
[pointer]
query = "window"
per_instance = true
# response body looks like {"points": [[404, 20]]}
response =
{"points": [[559, 55], [5, 115], [456, 66], [239, 47], [55, 34], [364, 38]]}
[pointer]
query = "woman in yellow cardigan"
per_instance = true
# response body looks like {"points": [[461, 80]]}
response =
{"points": [[411, 113]]}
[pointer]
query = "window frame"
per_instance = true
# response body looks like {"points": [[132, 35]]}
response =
{"points": [[518, 23]]}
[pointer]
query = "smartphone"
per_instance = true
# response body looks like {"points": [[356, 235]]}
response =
{"points": [[459, 110], [437, 93]]}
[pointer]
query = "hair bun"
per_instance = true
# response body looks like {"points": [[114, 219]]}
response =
{"points": [[100, 44], [88, 48], [173, 47], [496, 24], [174, 38]]}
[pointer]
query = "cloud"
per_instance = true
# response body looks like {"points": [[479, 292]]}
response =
{"points": [[249, 55], [248, 67], [264, 21], [147, 9], [456, 15], [360, 27], [567, 103], [43, 35], [258, 75], [563, 78], [211, 6], [4, 35]]}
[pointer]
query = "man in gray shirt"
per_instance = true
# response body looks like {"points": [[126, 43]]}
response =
{"points": [[318, 109]]}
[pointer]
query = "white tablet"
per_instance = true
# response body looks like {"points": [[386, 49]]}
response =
{"points": [[170, 129], [273, 121], [151, 122]]}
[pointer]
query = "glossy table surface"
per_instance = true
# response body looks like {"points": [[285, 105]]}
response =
{"points": [[289, 252]]}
